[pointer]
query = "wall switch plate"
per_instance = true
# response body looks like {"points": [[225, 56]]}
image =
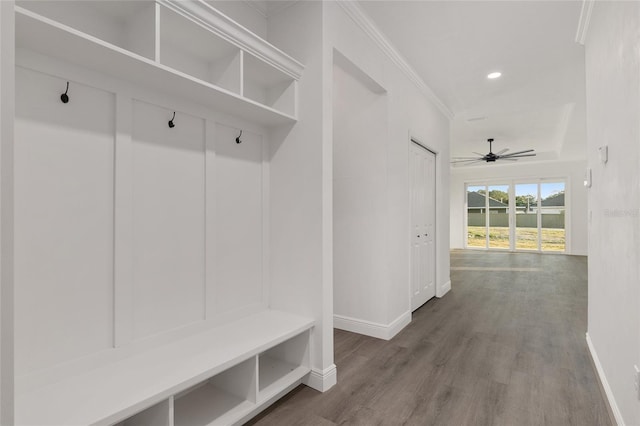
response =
{"points": [[636, 380]]}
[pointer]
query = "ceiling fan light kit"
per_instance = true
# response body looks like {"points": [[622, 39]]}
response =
{"points": [[492, 157]]}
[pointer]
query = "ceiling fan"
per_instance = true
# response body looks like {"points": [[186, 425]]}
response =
{"points": [[492, 157]]}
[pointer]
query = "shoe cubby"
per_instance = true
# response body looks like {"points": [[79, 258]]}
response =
{"points": [[157, 415], [221, 400], [129, 25], [282, 365]]}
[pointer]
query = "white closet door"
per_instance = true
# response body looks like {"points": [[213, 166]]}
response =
{"points": [[168, 220], [423, 205], [235, 188], [64, 171]]}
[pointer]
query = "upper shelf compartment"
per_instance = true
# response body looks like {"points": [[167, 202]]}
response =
{"points": [[126, 24], [255, 69], [181, 48], [190, 47], [228, 29]]}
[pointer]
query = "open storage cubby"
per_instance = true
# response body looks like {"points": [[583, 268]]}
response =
{"points": [[280, 365], [189, 47], [157, 415], [268, 85], [221, 400], [129, 25], [207, 378]]}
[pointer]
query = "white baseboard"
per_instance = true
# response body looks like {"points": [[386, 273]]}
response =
{"points": [[605, 384], [373, 329], [322, 380], [444, 289]]}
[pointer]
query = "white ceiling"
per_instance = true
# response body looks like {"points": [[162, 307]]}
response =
{"points": [[539, 102]]}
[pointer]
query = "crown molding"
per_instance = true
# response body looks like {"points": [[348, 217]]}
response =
{"points": [[583, 22], [355, 12]]}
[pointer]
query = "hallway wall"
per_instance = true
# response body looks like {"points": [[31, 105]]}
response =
{"points": [[372, 293], [613, 108]]}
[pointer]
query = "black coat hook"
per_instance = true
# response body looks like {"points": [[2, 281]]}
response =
{"points": [[238, 140], [171, 124], [64, 97]]}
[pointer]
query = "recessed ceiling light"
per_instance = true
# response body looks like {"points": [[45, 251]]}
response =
{"points": [[494, 75]]}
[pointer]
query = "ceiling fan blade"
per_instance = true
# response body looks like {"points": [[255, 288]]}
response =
{"points": [[473, 162], [477, 153], [468, 161], [518, 152], [502, 157], [502, 151], [467, 158], [508, 159]]}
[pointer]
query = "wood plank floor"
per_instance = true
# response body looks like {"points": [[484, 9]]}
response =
{"points": [[506, 346]]}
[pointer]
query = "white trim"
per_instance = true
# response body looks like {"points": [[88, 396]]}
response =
{"points": [[322, 380], [355, 12], [605, 384], [444, 289], [583, 22], [370, 328], [7, 118]]}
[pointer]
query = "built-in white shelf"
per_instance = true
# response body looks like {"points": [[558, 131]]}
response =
{"points": [[191, 372], [282, 364], [115, 392], [166, 48], [274, 373], [209, 405], [157, 415], [222, 400], [193, 49], [129, 25]]}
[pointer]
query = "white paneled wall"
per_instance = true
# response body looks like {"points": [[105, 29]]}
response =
{"points": [[168, 183], [64, 175], [235, 187], [112, 201]]}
